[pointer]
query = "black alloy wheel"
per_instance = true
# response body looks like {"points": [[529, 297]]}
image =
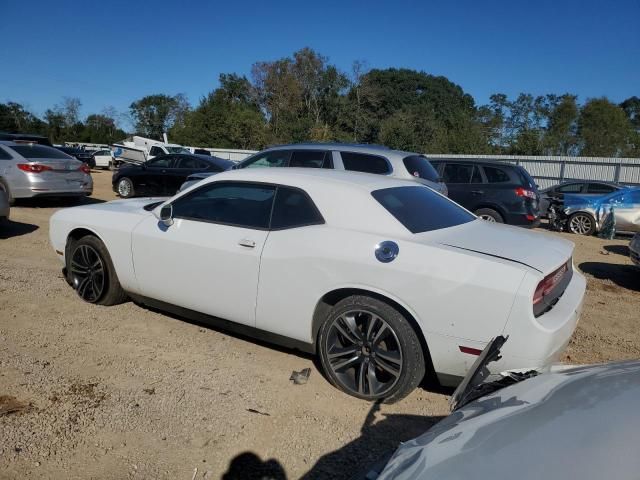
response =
{"points": [[87, 272]]}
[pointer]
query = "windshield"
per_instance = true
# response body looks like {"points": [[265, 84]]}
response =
{"points": [[420, 209], [177, 150]]}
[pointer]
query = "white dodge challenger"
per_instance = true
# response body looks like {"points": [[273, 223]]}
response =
{"points": [[387, 281]]}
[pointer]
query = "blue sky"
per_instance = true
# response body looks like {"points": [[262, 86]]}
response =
{"points": [[114, 52]]}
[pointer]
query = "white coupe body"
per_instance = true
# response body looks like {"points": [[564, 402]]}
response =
{"points": [[459, 286]]}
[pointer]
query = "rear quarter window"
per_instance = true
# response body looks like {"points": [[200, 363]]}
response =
{"points": [[420, 167], [420, 209], [362, 162], [496, 175]]}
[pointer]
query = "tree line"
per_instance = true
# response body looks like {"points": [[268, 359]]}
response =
{"points": [[62, 123], [305, 98]]}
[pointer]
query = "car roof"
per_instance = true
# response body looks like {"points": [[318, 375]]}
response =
{"points": [[372, 149], [306, 177], [492, 163]]}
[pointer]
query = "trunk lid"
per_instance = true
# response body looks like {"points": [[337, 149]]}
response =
{"points": [[538, 250]]}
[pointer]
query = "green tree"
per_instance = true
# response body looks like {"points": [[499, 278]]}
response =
{"points": [[154, 115], [561, 136], [228, 117], [631, 107], [604, 129], [14, 118]]}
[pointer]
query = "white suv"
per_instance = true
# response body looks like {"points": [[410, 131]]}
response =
{"points": [[342, 156]]}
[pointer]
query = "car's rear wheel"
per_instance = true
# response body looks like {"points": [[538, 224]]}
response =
{"points": [[125, 188], [369, 350], [90, 272], [489, 215], [582, 223]]}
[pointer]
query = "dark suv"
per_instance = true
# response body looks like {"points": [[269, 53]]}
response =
{"points": [[495, 191]]}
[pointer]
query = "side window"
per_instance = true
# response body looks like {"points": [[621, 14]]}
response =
{"points": [[496, 175], [274, 158], [155, 151], [240, 204], [362, 162], [294, 208], [461, 173], [190, 163], [570, 188], [4, 155], [307, 158], [160, 162], [600, 188]]}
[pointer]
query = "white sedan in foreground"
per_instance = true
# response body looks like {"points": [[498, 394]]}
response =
{"points": [[385, 279]]}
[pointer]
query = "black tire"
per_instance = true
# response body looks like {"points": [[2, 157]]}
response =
{"points": [[125, 188], [490, 215], [5, 187], [83, 279], [398, 339], [581, 223]]}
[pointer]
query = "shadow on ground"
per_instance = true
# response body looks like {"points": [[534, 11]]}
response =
{"points": [[625, 276], [618, 249], [370, 451], [55, 202], [9, 229]]}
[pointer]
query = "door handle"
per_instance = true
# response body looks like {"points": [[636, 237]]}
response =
{"points": [[245, 242], [477, 192]]}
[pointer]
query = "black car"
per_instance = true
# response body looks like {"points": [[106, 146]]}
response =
{"points": [[164, 174], [495, 191], [585, 188], [85, 156], [25, 138]]}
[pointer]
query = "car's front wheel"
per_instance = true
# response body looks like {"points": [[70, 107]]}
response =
{"points": [[369, 350], [582, 223], [90, 272], [125, 188]]}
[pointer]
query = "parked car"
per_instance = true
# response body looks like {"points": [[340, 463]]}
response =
{"points": [[586, 214], [163, 175], [5, 208], [103, 158], [25, 138], [585, 188], [494, 191], [82, 155], [566, 422], [384, 278], [634, 249], [356, 158], [32, 170]]}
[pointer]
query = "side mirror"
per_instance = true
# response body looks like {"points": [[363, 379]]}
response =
{"points": [[166, 215]]}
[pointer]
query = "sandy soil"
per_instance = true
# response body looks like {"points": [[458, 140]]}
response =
{"points": [[126, 392]]}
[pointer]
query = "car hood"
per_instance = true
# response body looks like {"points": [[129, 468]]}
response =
{"points": [[125, 205], [538, 250], [573, 423]]}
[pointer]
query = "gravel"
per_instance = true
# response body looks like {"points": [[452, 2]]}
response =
{"points": [[128, 392]]}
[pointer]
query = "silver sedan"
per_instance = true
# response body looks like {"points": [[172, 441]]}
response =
{"points": [[587, 215], [31, 170]]}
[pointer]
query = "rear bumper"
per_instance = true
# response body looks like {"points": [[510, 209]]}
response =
{"points": [[54, 189], [539, 342]]}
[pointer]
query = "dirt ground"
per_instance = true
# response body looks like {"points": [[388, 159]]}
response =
{"points": [[127, 392]]}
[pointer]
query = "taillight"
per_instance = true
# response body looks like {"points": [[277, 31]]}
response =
{"points": [[84, 168], [33, 167], [549, 282], [523, 192]]}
